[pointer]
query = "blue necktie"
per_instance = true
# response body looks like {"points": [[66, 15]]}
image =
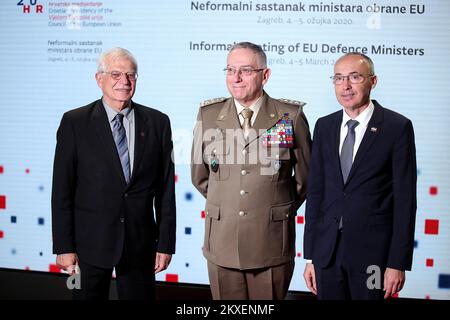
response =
{"points": [[347, 149], [120, 139]]}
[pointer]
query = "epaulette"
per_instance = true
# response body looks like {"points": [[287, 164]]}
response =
{"points": [[212, 101], [299, 103]]}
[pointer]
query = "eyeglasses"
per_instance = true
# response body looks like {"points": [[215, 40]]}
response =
{"points": [[354, 78], [117, 75], [245, 71]]}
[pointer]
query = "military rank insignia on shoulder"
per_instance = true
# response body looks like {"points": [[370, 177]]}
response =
{"points": [[281, 134], [296, 102], [212, 101]]}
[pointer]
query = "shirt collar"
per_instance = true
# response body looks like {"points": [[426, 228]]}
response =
{"points": [[254, 107], [111, 113], [363, 118]]}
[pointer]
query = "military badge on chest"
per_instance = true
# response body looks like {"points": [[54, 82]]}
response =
{"points": [[281, 135], [214, 163]]}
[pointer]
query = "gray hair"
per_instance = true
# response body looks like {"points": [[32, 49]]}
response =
{"points": [[364, 57], [257, 49], [112, 54]]}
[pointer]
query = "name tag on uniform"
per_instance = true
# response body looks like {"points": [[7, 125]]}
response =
{"points": [[281, 134]]}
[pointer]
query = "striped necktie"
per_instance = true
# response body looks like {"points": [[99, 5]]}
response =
{"points": [[120, 139]]}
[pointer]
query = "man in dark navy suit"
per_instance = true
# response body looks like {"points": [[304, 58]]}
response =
{"points": [[113, 198], [361, 198]]}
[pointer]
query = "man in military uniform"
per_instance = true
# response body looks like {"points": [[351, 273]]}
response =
{"points": [[250, 160]]}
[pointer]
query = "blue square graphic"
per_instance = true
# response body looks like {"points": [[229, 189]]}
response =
{"points": [[41, 221], [444, 281], [187, 230], [13, 219]]}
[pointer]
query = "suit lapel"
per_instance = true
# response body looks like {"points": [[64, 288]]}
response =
{"points": [[141, 135], [103, 128], [372, 130], [336, 138]]}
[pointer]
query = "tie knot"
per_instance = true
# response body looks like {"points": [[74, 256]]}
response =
{"points": [[352, 124], [247, 113], [119, 117]]}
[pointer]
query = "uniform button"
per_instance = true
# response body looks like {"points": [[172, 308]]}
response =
{"points": [[126, 195], [244, 151], [214, 151], [242, 192], [207, 212], [277, 156], [241, 213], [243, 172], [122, 219], [287, 215]]}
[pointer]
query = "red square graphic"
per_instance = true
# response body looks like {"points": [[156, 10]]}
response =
{"points": [[176, 178], [433, 190], [171, 277], [54, 268], [2, 202], [430, 262], [431, 226], [300, 219], [1, 169], [2, 234]]}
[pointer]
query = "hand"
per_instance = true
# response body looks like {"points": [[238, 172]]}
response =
{"points": [[393, 281], [68, 262], [162, 261], [310, 277]]}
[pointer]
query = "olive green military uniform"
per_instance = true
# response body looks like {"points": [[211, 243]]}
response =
{"points": [[253, 189]]}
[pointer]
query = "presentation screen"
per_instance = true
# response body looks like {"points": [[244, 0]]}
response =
{"points": [[48, 62]]}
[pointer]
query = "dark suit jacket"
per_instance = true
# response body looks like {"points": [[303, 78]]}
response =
{"points": [[94, 211], [378, 201]]}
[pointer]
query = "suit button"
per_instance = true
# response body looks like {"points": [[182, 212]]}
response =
{"points": [[242, 192], [126, 195], [207, 212], [243, 172], [122, 219], [344, 194], [241, 213]]}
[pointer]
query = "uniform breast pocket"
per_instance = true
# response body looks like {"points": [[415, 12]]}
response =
{"points": [[277, 164], [218, 161]]}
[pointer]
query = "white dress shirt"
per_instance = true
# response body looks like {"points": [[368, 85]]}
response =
{"points": [[363, 119]]}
